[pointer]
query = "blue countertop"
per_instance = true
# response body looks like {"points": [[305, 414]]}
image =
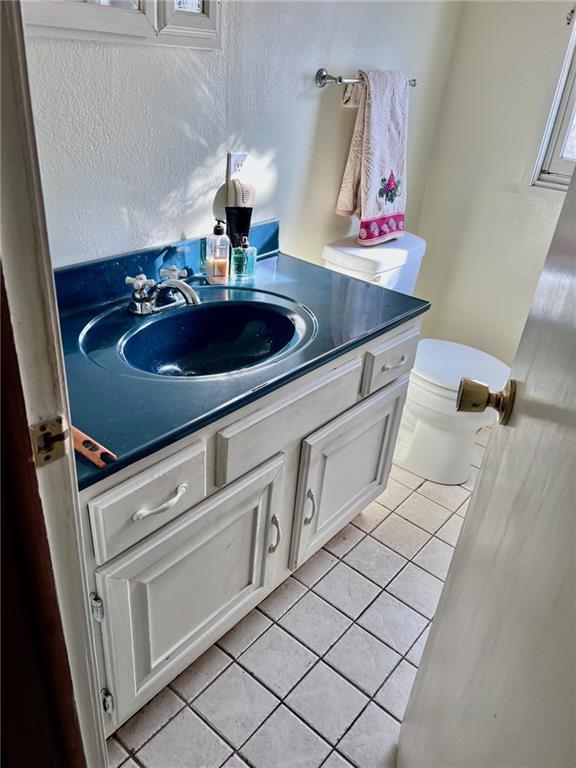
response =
{"points": [[135, 415]]}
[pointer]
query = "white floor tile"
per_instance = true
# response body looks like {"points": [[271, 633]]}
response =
{"points": [[435, 558], [186, 740], [278, 660], [344, 541], [235, 705], [463, 509], [313, 570], [394, 494], [116, 753], [401, 535], [370, 517], [285, 742], [423, 512], [393, 622], [450, 531], [327, 702], [363, 659], [449, 496], [201, 673], [347, 590], [150, 719], [471, 482], [417, 588], [130, 764], [336, 761], [375, 561], [409, 479], [394, 694], [244, 633], [316, 623], [282, 598], [415, 654], [372, 742], [235, 762]]}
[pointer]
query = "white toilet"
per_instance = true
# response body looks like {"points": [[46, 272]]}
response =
{"points": [[435, 441]]}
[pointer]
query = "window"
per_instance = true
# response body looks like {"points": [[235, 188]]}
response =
{"points": [[557, 156], [188, 23]]}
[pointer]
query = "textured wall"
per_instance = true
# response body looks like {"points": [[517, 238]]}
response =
{"points": [[133, 139], [488, 230]]}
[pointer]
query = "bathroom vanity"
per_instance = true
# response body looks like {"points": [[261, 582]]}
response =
{"points": [[226, 482]]}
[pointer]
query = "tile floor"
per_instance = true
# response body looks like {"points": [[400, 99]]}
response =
{"points": [[320, 673]]}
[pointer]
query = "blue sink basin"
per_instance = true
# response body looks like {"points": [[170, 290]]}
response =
{"points": [[232, 330]]}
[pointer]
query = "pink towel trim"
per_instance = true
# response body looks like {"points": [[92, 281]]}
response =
{"points": [[381, 229]]}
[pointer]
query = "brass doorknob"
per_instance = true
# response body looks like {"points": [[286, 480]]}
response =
{"points": [[475, 397]]}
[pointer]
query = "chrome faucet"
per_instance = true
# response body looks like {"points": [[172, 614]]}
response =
{"points": [[147, 292]]}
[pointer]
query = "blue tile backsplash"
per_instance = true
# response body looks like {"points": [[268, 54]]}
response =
{"points": [[97, 282]]}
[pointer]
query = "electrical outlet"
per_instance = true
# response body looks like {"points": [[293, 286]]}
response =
{"points": [[234, 163]]}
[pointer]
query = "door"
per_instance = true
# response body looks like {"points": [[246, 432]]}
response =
{"points": [[171, 596], [31, 299], [343, 467], [497, 686]]}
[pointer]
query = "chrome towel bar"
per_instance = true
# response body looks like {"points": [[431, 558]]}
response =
{"points": [[325, 78]]}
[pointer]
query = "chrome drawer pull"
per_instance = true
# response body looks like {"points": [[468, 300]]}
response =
{"points": [[276, 523], [391, 366], [142, 513], [310, 495]]}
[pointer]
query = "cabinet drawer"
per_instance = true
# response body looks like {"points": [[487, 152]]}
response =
{"points": [[134, 509], [171, 596], [251, 440], [343, 467], [389, 360]]}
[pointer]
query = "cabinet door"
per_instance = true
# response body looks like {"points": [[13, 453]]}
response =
{"points": [[343, 467], [172, 595]]}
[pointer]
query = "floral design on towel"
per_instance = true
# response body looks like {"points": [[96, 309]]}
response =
{"points": [[389, 188]]}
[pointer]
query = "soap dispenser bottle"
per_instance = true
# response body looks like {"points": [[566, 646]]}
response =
{"points": [[243, 262], [217, 255]]}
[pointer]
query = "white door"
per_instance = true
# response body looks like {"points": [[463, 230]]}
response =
{"points": [[343, 466], [497, 684], [29, 284], [172, 595]]}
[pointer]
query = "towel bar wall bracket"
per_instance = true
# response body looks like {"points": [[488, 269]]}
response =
{"points": [[324, 78]]}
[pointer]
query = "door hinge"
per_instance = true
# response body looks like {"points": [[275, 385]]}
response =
{"points": [[48, 441], [107, 701], [96, 606]]}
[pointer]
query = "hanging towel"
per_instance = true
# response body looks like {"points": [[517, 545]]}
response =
{"points": [[374, 181]]}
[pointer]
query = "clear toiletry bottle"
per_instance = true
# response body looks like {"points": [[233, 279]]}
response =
{"points": [[217, 255], [243, 262]]}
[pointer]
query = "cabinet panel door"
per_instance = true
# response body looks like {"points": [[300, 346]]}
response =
{"points": [[170, 596], [343, 467]]}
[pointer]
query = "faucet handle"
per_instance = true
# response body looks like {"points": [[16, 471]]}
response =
{"points": [[139, 282], [173, 273]]}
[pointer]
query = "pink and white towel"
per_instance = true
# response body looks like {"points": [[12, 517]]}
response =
{"points": [[374, 181]]}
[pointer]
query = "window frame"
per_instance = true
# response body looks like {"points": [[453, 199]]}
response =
{"points": [[552, 170], [154, 22]]}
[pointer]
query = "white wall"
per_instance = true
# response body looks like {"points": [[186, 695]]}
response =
{"points": [[133, 139], [488, 230]]}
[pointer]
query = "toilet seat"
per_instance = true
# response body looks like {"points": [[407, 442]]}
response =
{"points": [[444, 363]]}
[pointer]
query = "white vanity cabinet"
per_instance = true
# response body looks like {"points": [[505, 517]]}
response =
{"points": [[343, 467], [169, 597], [266, 486]]}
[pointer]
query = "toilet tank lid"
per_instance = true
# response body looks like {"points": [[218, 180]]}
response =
{"points": [[444, 363], [347, 253]]}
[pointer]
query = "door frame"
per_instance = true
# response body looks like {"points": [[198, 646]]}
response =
{"points": [[31, 301]]}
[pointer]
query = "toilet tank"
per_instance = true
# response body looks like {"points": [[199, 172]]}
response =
{"points": [[393, 265]]}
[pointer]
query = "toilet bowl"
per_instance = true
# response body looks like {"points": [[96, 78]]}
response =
{"points": [[435, 441]]}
